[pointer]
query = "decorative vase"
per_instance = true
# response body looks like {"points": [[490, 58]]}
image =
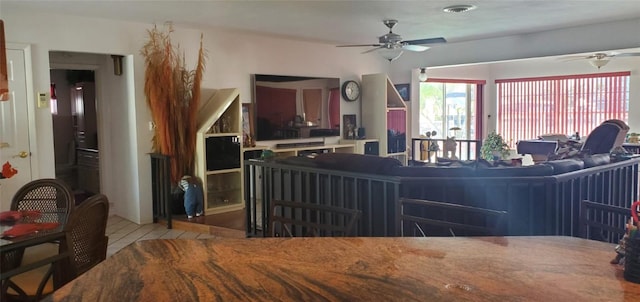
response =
{"points": [[497, 155]]}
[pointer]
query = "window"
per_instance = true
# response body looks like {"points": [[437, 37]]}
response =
{"points": [[531, 107], [446, 103]]}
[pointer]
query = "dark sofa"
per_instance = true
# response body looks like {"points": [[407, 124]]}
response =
{"points": [[541, 199]]}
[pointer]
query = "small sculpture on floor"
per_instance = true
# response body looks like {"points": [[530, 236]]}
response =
{"points": [[193, 196], [449, 148]]}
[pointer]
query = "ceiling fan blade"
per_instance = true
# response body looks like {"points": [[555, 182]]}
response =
{"points": [[628, 54], [426, 41], [573, 58], [360, 45], [372, 49], [415, 47]]}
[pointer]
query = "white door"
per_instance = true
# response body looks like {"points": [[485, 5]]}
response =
{"points": [[14, 128]]}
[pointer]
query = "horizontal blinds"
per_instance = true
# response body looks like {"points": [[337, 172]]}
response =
{"points": [[530, 107]]}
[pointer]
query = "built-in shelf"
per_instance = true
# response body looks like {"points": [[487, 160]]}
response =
{"points": [[384, 116], [219, 152]]}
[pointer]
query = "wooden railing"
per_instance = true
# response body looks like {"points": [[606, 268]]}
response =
{"points": [[540, 205], [373, 195], [161, 188]]}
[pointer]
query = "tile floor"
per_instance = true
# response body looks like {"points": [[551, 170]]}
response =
{"points": [[123, 232]]}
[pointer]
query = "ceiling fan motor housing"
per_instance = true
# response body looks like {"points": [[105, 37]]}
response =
{"points": [[390, 38]]}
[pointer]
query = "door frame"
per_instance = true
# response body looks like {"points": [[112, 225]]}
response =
{"points": [[97, 86], [31, 104]]}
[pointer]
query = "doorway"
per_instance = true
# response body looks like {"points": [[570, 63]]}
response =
{"points": [[75, 128]]}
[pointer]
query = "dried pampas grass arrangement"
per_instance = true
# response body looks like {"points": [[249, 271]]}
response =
{"points": [[173, 97]]}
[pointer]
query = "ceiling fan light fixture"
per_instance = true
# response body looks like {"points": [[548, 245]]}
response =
{"points": [[461, 8], [596, 62], [390, 54], [422, 76]]}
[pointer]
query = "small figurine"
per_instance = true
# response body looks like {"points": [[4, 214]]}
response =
{"points": [[193, 196], [450, 148], [619, 259]]}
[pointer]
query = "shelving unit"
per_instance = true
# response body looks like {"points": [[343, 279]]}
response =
{"points": [[219, 152], [363, 146], [286, 152], [384, 111]]}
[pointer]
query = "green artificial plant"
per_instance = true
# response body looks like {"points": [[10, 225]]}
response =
{"points": [[494, 142]]}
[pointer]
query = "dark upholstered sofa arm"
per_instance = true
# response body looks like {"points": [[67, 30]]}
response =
{"points": [[358, 163]]}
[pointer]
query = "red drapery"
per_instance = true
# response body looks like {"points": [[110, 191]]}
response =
{"points": [[529, 107]]}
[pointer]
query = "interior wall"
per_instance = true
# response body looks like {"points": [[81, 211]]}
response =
{"points": [[232, 58], [539, 67]]}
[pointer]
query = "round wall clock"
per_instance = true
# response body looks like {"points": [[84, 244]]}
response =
{"points": [[350, 90]]}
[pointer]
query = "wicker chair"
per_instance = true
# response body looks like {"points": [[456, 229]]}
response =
{"points": [[87, 242], [51, 197], [86, 230], [434, 218]]}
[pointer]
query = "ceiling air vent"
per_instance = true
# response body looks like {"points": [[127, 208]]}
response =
{"points": [[458, 8]]}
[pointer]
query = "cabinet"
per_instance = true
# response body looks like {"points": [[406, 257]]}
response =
{"points": [[83, 110], [384, 116], [88, 170], [307, 150], [364, 146], [218, 161]]}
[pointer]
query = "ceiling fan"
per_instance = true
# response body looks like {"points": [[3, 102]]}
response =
{"points": [[391, 44], [600, 59]]}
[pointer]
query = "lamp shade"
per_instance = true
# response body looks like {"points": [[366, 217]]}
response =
{"points": [[422, 76], [391, 53], [599, 62]]}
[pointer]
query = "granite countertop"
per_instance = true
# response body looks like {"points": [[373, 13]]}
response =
{"points": [[357, 269]]}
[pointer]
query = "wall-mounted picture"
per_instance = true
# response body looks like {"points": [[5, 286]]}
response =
{"points": [[349, 125], [404, 91], [248, 139]]}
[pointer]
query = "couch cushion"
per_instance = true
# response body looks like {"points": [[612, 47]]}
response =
{"points": [[561, 166], [506, 171], [596, 160], [359, 163], [433, 171], [298, 161]]}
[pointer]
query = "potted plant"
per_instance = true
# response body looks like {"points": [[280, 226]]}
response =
{"points": [[494, 147], [173, 98]]}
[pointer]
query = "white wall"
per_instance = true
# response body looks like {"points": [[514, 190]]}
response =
{"points": [[461, 59], [232, 57], [536, 68]]}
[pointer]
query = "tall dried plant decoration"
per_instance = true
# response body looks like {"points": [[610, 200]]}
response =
{"points": [[173, 97]]}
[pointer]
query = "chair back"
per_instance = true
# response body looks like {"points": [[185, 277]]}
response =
{"points": [[603, 138], [423, 218], [603, 222], [299, 219], [52, 197], [86, 236], [622, 135]]}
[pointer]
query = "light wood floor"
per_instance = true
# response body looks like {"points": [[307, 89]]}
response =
{"points": [[123, 232]]}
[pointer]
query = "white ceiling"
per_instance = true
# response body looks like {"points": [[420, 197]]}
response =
{"points": [[351, 22]]}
